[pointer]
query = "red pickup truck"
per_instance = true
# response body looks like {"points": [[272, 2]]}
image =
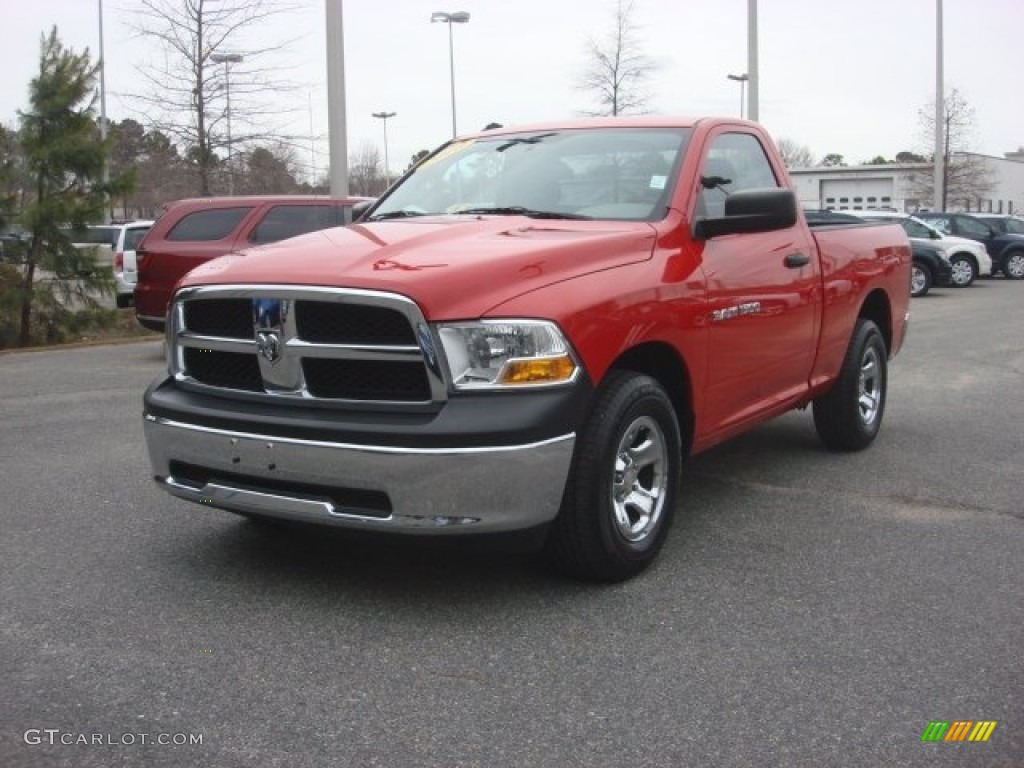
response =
{"points": [[530, 331]]}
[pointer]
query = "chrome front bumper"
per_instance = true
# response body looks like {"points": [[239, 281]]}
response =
{"points": [[428, 491]]}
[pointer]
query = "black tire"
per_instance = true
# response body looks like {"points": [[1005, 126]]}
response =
{"points": [[604, 531], [849, 416], [920, 280], [124, 300], [1013, 265], [965, 271]]}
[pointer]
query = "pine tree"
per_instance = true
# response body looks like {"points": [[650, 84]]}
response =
{"points": [[65, 159]]}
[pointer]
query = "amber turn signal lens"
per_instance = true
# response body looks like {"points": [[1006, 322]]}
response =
{"points": [[545, 370]]}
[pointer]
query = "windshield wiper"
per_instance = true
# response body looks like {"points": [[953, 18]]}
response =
{"points": [[400, 214], [519, 210], [525, 140]]}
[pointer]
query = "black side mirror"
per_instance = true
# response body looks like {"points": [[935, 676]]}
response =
{"points": [[358, 209], [752, 210]]}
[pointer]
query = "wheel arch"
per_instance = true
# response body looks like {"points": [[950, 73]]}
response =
{"points": [[878, 309], [971, 257], [662, 362]]}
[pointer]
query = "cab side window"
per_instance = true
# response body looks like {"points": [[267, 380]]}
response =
{"points": [[735, 162], [972, 228], [284, 221]]}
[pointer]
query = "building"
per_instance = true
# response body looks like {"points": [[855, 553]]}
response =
{"points": [[895, 186]]}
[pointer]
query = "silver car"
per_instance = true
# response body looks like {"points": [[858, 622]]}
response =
{"points": [[126, 272]]}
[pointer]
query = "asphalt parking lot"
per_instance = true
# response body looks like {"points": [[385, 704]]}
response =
{"points": [[809, 609]]}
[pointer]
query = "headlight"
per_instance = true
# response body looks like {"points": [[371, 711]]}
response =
{"points": [[499, 354]]}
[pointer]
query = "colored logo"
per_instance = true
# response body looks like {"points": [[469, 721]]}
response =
{"points": [[959, 730]]}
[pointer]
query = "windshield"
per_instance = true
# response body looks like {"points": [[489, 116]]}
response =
{"points": [[598, 173], [917, 228]]}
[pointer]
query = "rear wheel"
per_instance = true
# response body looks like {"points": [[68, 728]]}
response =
{"points": [[964, 271], [849, 416], [1013, 266], [621, 493], [920, 280]]}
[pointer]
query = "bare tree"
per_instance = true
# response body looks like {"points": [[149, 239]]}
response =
{"points": [[201, 67], [966, 175], [795, 155], [618, 69], [366, 171]]}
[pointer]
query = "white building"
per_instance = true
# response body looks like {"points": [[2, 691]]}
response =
{"points": [[892, 186]]}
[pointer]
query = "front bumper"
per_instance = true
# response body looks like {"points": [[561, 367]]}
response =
{"points": [[436, 484]]}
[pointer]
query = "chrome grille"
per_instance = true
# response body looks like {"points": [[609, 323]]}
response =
{"points": [[308, 344]]}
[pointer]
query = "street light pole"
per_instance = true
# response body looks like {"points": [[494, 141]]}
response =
{"points": [[383, 116], [227, 59], [742, 80], [103, 116], [459, 17]]}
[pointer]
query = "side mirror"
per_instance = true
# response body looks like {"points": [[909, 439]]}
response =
{"points": [[752, 210], [360, 208]]}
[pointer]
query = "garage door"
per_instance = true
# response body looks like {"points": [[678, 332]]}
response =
{"points": [[856, 194]]}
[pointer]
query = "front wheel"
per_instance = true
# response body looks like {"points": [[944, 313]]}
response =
{"points": [[1013, 267], [621, 492], [849, 416], [920, 280], [964, 271]]}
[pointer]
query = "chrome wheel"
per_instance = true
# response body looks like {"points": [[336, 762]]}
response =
{"points": [[869, 386], [640, 480], [918, 281], [1014, 266], [963, 272]]}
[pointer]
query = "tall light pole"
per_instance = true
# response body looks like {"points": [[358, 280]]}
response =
{"points": [[103, 116], [753, 92], [337, 128], [383, 116], [227, 59], [459, 17], [742, 80], [939, 158]]}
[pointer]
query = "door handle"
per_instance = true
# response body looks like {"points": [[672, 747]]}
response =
{"points": [[797, 259]]}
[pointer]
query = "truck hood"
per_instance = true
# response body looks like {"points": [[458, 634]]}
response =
{"points": [[454, 267]]}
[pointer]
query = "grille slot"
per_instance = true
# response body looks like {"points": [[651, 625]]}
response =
{"points": [[351, 500], [329, 322], [233, 370], [365, 379], [230, 318]]}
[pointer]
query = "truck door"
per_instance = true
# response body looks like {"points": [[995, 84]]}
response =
{"points": [[763, 291]]}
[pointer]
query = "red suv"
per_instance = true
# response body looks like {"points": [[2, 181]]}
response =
{"points": [[191, 232]]}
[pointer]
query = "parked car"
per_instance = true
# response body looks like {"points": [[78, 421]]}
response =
{"points": [[1005, 247], [129, 236], [99, 238], [931, 266], [969, 258], [1007, 224], [191, 232]]}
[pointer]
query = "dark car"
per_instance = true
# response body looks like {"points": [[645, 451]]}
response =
{"points": [[930, 267], [1005, 246], [191, 232]]}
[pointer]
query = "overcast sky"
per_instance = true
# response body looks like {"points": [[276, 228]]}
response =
{"points": [[842, 76]]}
